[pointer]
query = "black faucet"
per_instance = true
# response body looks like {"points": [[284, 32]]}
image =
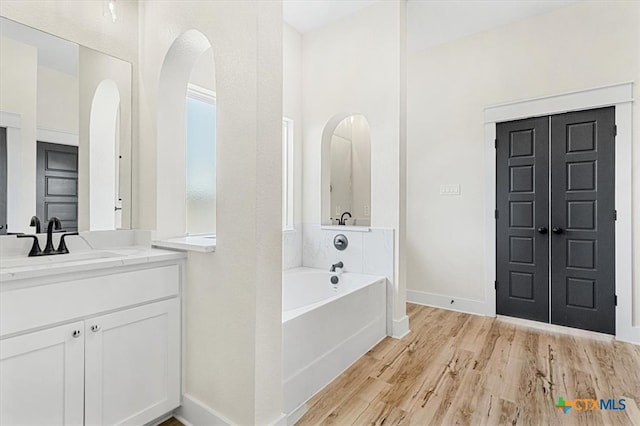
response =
{"points": [[336, 265], [53, 222], [35, 222], [342, 220], [35, 248], [62, 246]]}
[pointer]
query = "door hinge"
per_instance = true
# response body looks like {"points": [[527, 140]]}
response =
{"points": [[495, 143], [615, 300], [615, 130], [495, 284], [495, 214], [615, 215]]}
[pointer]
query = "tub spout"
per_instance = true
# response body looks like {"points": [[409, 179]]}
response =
{"points": [[336, 265]]}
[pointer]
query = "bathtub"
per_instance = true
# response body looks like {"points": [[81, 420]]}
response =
{"points": [[326, 328]]}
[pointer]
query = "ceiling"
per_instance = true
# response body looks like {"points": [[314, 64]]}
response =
{"points": [[307, 15], [429, 22]]}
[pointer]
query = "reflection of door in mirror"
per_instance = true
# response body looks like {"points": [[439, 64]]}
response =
{"points": [[350, 172], [3, 180], [57, 183]]}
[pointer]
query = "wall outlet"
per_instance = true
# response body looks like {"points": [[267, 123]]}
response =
{"points": [[450, 189], [338, 210], [367, 210]]}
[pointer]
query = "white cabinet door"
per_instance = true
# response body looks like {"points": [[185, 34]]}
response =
{"points": [[42, 377], [132, 364]]}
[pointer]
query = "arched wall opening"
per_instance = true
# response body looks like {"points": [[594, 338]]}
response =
{"points": [[175, 74], [104, 142]]}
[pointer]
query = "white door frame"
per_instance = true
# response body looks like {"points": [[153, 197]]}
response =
{"points": [[619, 95]]}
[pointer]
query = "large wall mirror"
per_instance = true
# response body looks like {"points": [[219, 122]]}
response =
{"points": [[346, 171], [65, 133]]}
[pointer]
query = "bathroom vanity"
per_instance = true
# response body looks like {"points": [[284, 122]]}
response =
{"points": [[92, 337]]}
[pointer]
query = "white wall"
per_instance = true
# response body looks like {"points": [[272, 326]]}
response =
{"points": [[204, 72], [369, 46], [18, 96], [232, 296], [292, 109], [57, 105], [587, 45]]}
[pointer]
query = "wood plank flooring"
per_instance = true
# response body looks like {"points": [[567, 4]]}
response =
{"points": [[456, 368], [171, 422]]}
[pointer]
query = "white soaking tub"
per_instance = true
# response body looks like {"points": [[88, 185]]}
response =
{"points": [[326, 328]]}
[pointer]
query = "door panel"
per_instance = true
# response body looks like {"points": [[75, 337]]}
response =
{"points": [[522, 194], [42, 377], [582, 207], [133, 364]]}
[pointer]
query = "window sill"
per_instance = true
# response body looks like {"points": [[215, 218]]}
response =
{"points": [[200, 243]]}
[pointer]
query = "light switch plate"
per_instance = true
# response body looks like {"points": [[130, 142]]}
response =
{"points": [[450, 189]]}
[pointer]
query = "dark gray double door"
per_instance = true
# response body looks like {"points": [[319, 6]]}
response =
{"points": [[555, 219]]}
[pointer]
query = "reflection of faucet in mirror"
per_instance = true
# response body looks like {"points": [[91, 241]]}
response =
{"points": [[35, 222], [343, 220]]}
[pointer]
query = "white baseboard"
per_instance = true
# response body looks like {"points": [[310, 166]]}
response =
{"points": [[458, 304], [283, 420], [196, 413], [630, 335], [400, 327], [297, 414]]}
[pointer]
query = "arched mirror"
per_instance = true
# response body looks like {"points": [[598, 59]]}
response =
{"points": [[346, 171]]}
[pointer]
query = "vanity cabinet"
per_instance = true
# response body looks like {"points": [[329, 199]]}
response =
{"points": [[116, 360]]}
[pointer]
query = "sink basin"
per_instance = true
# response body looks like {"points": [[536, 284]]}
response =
{"points": [[17, 262]]}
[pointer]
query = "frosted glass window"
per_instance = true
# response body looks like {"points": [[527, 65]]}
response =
{"points": [[201, 164], [287, 173]]}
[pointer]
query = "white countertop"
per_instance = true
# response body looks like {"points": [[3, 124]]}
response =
{"points": [[14, 268]]}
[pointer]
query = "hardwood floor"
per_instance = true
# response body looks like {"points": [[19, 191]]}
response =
{"points": [[171, 422], [456, 368]]}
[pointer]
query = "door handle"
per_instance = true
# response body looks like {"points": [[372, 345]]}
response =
{"points": [[542, 230], [557, 230]]}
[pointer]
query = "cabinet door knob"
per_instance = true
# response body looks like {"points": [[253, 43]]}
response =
{"points": [[76, 333], [95, 328]]}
